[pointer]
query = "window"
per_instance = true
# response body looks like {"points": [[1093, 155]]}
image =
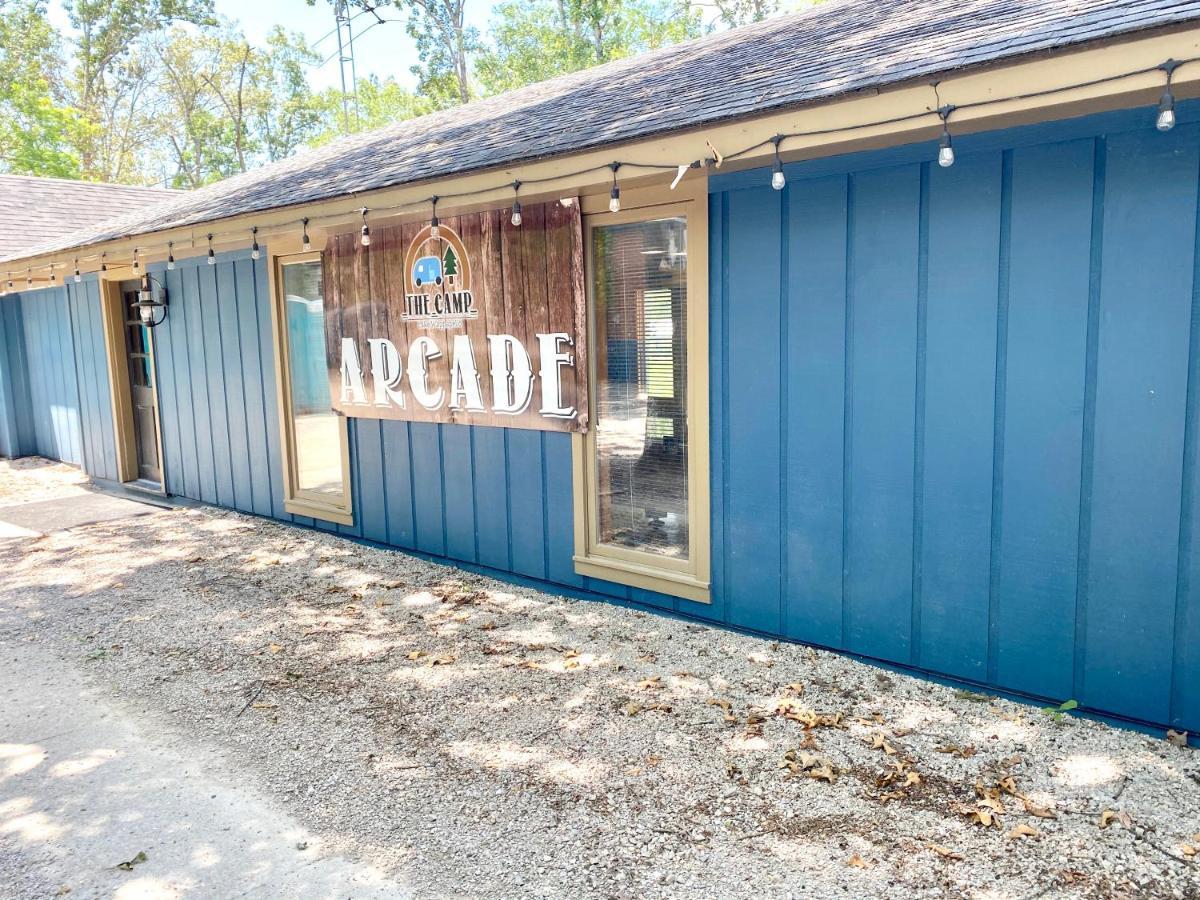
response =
{"points": [[316, 455], [643, 508]]}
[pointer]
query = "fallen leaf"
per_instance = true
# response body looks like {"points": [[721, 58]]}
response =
{"points": [[944, 852], [651, 684], [631, 709], [1109, 816], [128, 865], [1188, 850], [275, 648], [444, 660], [1023, 830], [954, 750], [1042, 812], [857, 862], [415, 654], [879, 742], [1178, 738]]}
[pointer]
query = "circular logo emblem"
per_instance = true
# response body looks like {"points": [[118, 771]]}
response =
{"points": [[437, 265]]}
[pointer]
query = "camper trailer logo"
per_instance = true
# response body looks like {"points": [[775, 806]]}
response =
{"points": [[437, 274]]}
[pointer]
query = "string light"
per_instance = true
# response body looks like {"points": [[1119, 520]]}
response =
{"points": [[170, 256], [255, 253], [946, 145], [212, 257], [366, 231], [1165, 121], [136, 268], [434, 231], [777, 179], [78, 277], [1166, 106], [29, 277], [516, 207], [53, 277]]}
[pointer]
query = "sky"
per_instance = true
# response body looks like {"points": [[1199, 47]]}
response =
{"points": [[382, 50]]}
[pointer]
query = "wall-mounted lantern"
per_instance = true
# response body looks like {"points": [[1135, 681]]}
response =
{"points": [[151, 304]]}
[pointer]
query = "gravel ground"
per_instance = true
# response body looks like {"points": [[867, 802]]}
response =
{"points": [[483, 740]]}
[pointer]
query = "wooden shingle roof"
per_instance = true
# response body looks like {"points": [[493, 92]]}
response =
{"points": [[39, 210], [824, 52]]}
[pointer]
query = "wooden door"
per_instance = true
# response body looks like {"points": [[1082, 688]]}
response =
{"points": [[141, 388]]}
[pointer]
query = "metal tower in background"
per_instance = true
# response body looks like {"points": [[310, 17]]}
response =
{"points": [[349, 73]]}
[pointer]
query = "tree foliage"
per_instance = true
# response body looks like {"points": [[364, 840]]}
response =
{"points": [[39, 131], [538, 39], [166, 92]]}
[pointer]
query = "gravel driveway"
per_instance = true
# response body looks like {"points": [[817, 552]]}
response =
{"points": [[478, 740]]}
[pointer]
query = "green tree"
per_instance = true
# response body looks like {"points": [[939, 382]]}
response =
{"points": [[38, 127], [450, 262], [104, 79], [533, 40], [380, 103]]}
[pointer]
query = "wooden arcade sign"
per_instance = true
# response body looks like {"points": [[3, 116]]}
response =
{"points": [[482, 322]]}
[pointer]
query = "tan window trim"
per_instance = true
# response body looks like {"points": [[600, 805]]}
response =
{"points": [[295, 501], [688, 579]]}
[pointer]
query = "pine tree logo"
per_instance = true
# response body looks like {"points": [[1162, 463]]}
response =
{"points": [[450, 263]]}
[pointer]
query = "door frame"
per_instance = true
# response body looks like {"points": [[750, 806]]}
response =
{"points": [[118, 380]]}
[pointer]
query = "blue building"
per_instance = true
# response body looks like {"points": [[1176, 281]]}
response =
{"points": [[905, 363]]}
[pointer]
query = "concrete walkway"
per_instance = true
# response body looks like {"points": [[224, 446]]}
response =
{"points": [[85, 785]]}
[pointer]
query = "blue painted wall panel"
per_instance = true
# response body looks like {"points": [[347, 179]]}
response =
{"points": [[1048, 276], [751, 326], [16, 426], [815, 385], [880, 398], [961, 255], [52, 375], [1145, 305]]}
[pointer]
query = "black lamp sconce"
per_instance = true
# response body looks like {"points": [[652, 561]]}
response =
{"points": [[151, 306]]}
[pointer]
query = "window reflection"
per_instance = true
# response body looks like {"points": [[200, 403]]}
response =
{"points": [[640, 286], [316, 432]]}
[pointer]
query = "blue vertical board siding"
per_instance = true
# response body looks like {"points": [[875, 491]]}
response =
{"points": [[370, 494], [750, 324], [1145, 305], [492, 498], [459, 492], [236, 433], [962, 256], [1037, 556], [95, 392], [815, 408], [881, 394], [526, 499], [214, 368], [216, 387], [261, 416], [425, 451], [49, 359], [397, 484], [16, 428]]}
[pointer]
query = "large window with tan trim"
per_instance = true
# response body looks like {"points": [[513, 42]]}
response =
{"points": [[642, 492], [316, 452]]}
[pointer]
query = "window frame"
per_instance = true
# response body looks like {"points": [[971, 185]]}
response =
{"points": [[296, 501], [689, 579]]}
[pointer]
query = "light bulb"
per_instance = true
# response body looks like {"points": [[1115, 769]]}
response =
{"points": [[366, 236], [614, 199], [170, 258], [306, 244], [516, 214], [777, 179], [946, 157], [434, 231], [1166, 112]]}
